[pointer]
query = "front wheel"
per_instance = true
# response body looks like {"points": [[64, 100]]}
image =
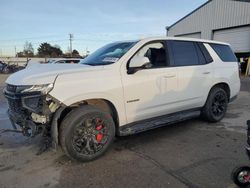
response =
{"points": [[86, 133], [216, 105], [241, 176]]}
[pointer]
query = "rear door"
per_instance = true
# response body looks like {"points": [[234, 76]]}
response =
{"points": [[194, 72]]}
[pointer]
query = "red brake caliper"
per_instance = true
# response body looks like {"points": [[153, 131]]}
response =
{"points": [[99, 136], [247, 177]]}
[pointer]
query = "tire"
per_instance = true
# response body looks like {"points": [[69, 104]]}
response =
{"points": [[86, 133], [240, 176], [216, 105]]}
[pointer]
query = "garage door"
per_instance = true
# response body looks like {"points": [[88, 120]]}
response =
{"points": [[190, 35], [239, 38]]}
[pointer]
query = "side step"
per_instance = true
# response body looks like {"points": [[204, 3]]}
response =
{"points": [[156, 122]]}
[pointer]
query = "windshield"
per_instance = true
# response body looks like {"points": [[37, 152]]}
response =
{"points": [[108, 54]]}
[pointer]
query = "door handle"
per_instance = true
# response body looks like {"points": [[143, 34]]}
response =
{"points": [[206, 72], [169, 76]]}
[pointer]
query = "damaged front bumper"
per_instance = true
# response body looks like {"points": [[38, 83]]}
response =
{"points": [[31, 111]]}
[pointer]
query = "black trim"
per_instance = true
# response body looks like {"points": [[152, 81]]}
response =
{"points": [[233, 98], [204, 51], [167, 28], [152, 123]]}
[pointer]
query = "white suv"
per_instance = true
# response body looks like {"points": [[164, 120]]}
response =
{"points": [[122, 89]]}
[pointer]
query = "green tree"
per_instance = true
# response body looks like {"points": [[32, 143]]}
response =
{"points": [[75, 53], [46, 50]]}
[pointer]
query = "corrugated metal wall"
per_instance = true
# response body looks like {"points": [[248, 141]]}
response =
{"points": [[238, 37], [216, 14]]}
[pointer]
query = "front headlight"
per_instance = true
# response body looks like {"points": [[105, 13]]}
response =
{"points": [[44, 89]]}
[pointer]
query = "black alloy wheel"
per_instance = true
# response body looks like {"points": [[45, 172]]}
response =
{"points": [[86, 133]]}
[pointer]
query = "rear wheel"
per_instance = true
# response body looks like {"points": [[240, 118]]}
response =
{"points": [[216, 105], [86, 133]]}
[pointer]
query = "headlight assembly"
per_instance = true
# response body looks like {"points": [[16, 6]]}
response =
{"points": [[44, 89]]}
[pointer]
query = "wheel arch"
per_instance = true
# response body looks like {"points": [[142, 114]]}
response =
{"points": [[101, 103], [224, 86]]}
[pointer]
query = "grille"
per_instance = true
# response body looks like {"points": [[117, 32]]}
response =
{"points": [[15, 105]]}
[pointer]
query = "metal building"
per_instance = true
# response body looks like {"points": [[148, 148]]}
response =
{"points": [[222, 20]]}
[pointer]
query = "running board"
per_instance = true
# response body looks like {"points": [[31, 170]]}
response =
{"points": [[156, 122]]}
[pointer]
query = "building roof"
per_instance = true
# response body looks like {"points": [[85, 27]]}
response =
{"points": [[168, 27]]}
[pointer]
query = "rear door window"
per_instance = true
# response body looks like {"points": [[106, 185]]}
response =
{"points": [[184, 53], [224, 52]]}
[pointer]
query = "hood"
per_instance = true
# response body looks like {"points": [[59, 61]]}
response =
{"points": [[46, 73]]}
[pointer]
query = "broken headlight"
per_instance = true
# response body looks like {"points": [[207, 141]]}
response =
{"points": [[44, 89]]}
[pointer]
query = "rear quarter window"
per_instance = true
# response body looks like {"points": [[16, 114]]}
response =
{"points": [[224, 52]]}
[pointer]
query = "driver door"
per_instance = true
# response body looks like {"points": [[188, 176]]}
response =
{"points": [[151, 91]]}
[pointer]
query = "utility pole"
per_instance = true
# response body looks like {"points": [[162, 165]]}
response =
{"points": [[70, 43], [15, 51]]}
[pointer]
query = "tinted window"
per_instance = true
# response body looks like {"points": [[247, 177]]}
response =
{"points": [[201, 57], [224, 52], [184, 53]]}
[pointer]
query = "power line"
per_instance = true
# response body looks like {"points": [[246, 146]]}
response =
{"points": [[27, 38], [53, 41]]}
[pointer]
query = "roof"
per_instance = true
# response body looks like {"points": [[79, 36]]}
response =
{"points": [[148, 39], [168, 27]]}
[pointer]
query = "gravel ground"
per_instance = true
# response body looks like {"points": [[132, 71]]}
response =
{"points": [[188, 154]]}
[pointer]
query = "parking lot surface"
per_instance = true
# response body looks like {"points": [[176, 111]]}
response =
{"points": [[193, 153]]}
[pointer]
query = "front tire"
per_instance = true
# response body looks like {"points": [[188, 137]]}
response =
{"points": [[86, 133], [216, 105]]}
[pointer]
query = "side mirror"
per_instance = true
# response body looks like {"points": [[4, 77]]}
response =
{"points": [[137, 63]]}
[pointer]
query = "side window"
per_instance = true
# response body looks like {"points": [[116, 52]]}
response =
{"points": [[201, 57], [60, 61], [184, 53], [70, 61], [224, 52], [156, 54], [205, 53]]}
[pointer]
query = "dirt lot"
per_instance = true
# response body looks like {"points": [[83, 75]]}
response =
{"points": [[188, 154]]}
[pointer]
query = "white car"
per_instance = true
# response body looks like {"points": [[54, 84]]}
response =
{"points": [[65, 60], [121, 89]]}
